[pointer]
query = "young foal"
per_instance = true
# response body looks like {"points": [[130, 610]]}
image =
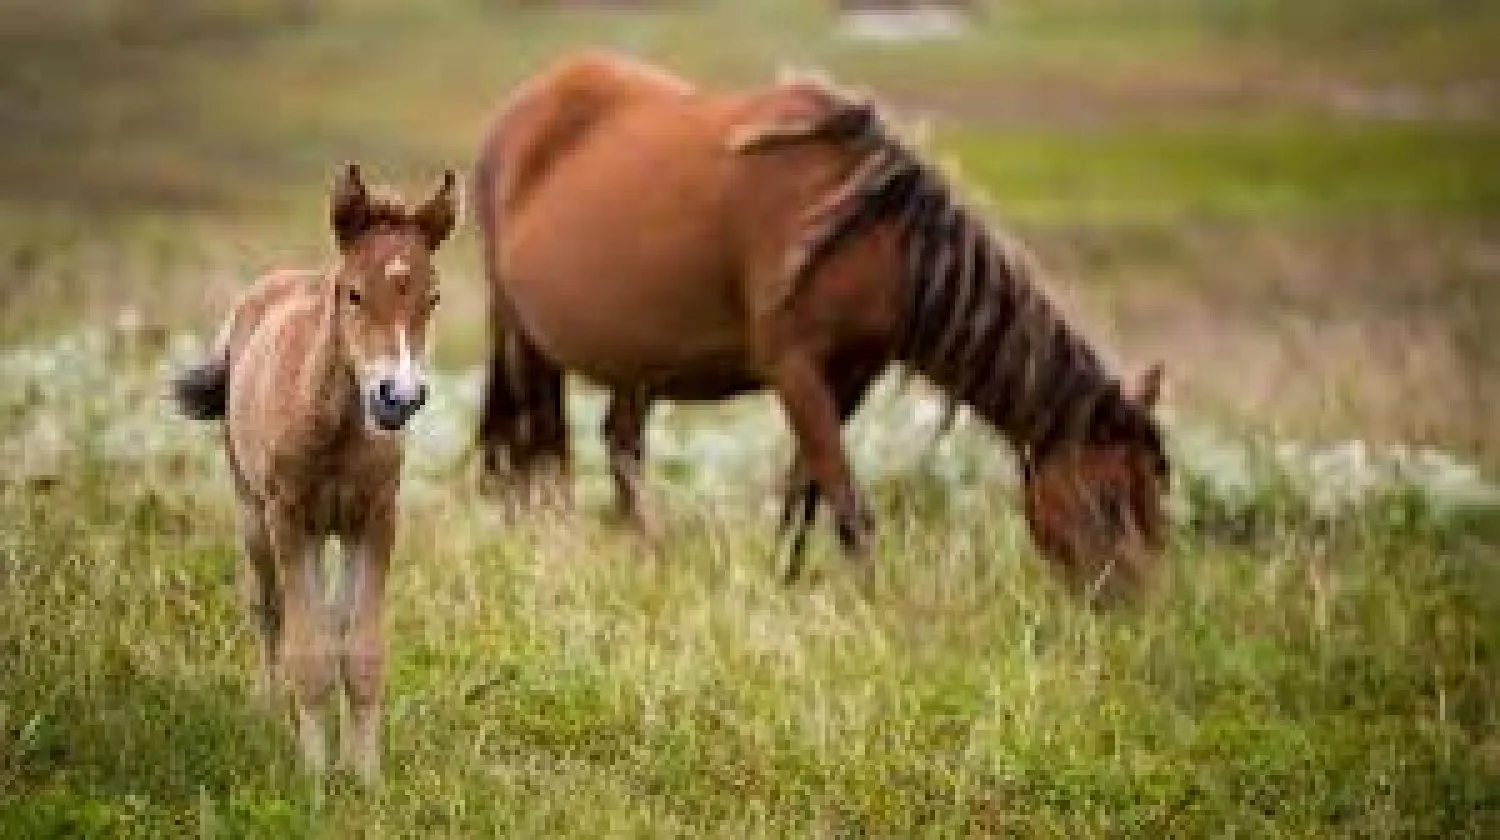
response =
{"points": [[674, 244], [315, 374]]}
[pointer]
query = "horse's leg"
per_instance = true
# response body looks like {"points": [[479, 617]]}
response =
{"points": [[262, 597], [362, 651], [800, 501], [306, 654], [500, 406], [812, 409], [624, 436], [523, 429], [545, 417]]}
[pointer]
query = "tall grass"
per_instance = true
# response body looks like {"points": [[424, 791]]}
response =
{"points": [[1297, 673]]}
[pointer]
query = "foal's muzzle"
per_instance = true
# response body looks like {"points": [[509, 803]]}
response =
{"points": [[391, 403]]}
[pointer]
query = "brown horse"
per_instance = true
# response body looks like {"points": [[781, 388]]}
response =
{"points": [[315, 374], [669, 243]]}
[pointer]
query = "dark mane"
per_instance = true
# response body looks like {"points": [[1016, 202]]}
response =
{"points": [[975, 318]]}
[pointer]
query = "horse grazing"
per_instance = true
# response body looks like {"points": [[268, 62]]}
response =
{"points": [[669, 243], [315, 374]]}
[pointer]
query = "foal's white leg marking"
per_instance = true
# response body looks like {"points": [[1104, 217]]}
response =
{"points": [[351, 576]]}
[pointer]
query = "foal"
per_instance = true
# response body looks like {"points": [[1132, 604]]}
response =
{"points": [[315, 374]]}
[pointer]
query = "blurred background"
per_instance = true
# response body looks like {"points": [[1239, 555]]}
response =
{"points": [[1294, 204]]}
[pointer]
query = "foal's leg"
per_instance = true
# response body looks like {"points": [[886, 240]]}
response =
{"points": [[306, 654], [624, 436], [362, 599], [262, 597], [813, 411], [800, 499]]}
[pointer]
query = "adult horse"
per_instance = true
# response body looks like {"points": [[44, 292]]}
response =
{"points": [[670, 243]]}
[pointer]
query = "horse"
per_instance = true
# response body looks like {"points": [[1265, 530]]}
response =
{"points": [[671, 243], [315, 374]]}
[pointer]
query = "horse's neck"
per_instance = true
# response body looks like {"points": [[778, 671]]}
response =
{"points": [[328, 380], [1000, 345]]}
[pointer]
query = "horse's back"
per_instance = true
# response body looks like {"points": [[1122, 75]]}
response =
{"points": [[543, 119], [270, 335], [625, 235], [604, 228], [269, 292]]}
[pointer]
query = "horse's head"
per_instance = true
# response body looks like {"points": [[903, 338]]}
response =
{"points": [[1094, 501], [385, 289]]}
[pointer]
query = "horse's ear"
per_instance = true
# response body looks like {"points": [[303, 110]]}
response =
{"points": [[1148, 389], [438, 214], [350, 208]]}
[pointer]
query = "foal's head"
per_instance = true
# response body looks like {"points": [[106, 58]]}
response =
{"points": [[1094, 501], [385, 289]]}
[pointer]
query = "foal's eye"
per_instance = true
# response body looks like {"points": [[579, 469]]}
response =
{"points": [[354, 296]]}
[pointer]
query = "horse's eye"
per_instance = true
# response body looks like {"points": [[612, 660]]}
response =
{"points": [[354, 296], [1114, 507]]}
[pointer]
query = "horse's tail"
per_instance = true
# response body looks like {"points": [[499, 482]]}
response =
{"points": [[201, 391], [523, 426]]}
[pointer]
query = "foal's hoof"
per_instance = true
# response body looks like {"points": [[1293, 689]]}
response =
{"points": [[366, 773], [644, 524], [651, 530], [861, 563], [267, 698], [812, 577]]}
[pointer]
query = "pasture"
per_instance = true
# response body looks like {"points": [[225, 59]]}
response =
{"points": [[1295, 205]]}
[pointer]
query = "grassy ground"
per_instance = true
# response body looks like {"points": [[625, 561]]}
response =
{"points": [[1297, 673], [1200, 176], [1295, 204]]}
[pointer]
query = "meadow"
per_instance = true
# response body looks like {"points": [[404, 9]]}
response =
{"points": [[1295, 205]]}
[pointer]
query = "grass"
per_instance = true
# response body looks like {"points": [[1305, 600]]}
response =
{"points": [[1310, 675], [1294, 204], [1246, 170], [1323, 687]]}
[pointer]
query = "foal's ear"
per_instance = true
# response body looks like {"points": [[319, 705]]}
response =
{"points": [[438, 214], [350, 211], [1148, 389]]}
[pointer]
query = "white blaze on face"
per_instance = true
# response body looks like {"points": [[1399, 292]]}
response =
{"points": [[396, 378], [394, 381], [403, 370], [408, 371]]}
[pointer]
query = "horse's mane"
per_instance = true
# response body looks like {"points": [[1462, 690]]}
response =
{"points": [[975, 319]]}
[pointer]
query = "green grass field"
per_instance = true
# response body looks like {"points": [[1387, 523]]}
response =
{"points": [[1296, 205]]}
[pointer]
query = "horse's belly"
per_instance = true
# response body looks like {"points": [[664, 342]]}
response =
{"points": [[624, 342], [633, 284]]}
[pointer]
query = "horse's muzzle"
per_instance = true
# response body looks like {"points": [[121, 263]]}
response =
{"points": [[391, 406]]}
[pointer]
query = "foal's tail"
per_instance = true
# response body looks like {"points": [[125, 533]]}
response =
{"points": [[201, 391]]}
